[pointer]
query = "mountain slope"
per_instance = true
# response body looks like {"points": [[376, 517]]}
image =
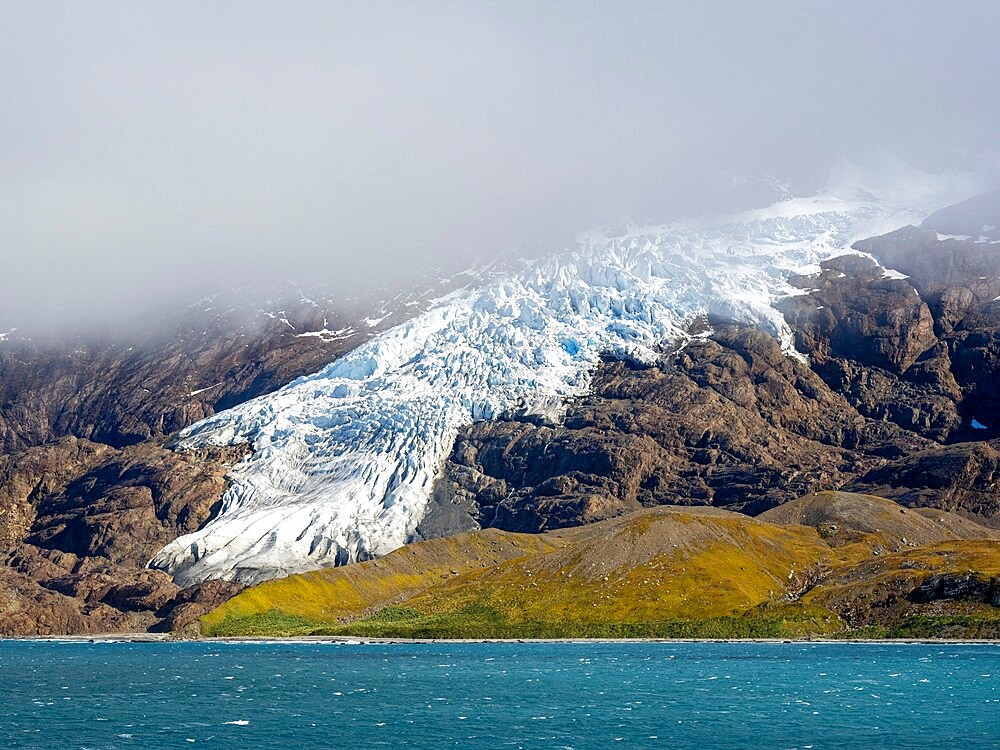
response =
{"points": [[662, 571], [157, 374], [895, 399], [89, 490], [344, 461]]}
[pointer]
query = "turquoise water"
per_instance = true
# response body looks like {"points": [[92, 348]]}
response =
{"points": [[497, 695]]}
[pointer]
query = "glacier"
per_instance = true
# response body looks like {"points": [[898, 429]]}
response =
{"points": [[343, 461]]}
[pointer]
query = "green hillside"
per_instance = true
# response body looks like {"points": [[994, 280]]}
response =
{"points": [[663, 572]]}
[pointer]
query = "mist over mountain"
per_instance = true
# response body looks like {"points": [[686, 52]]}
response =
{"points": [[155, 153]]}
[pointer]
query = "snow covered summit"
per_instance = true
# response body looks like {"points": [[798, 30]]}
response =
{"points": [[344, 460]]}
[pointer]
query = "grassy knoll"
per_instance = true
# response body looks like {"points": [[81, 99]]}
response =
{"points": [[295, 604], [659, 573]]}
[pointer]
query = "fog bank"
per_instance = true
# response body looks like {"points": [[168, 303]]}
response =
{"points": [[152, 151]]}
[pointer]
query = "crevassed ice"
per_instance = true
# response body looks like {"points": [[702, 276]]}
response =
{"points": [[344, 460]]}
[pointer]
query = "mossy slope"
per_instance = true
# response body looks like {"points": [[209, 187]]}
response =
{"points": [[340, 594], [694, 572]]}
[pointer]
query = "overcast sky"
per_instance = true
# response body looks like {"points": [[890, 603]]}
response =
{"points": [[148, 149]]}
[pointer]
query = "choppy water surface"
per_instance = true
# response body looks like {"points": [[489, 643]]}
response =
{"points": [[490, 695]]}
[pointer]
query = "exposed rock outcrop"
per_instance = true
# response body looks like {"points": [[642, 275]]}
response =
{"points": [[899, 399], [958, 586], [125, 507], [90, 490], [729, 421], [83, 532], [964, 477]]}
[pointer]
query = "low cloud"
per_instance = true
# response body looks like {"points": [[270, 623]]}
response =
{"points": [[153, 151]]}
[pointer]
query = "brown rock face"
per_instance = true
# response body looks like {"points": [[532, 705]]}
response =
{"points": [[729, 422], [852, 311], [964, 477], [27, 608], [899, 369], [91, 517], [32, 474], [89, 490], [133, 502], [960, 279], [872, 339], [38, 597], [954, 276]]}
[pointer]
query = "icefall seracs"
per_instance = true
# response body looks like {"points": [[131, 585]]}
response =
{"points": [[344, 460]]}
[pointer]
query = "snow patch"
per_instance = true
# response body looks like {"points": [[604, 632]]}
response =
{"points": [[326, 334], [890, 273], [202, 390]]}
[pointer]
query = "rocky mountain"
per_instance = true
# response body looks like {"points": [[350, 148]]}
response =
{"points": [[159, 374], [899, 399], [739, 364], [90, 490], [373, 428]]}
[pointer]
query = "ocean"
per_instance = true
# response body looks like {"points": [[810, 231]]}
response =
{"points": [[581, 695]]}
